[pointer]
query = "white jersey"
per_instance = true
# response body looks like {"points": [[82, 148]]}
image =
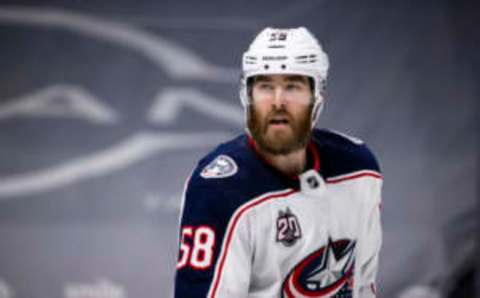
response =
{"points": [[249, 231]]}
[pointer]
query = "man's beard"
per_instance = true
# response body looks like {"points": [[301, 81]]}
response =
{"points": [[280, 142]]}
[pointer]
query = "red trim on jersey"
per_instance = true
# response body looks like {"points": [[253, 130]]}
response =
{"points": [[316, 156], [251, 142], [288, 292], [354, 175], [231, 229]]}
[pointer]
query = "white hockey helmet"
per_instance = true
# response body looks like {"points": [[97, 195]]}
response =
{"points": [[286, 51]]}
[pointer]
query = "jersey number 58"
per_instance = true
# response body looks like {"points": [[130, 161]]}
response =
{"points": [[196, 247]]}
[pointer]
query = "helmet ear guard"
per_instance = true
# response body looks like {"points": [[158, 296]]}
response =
{"points": [[317, 110], [244, 92], [286, 51]]}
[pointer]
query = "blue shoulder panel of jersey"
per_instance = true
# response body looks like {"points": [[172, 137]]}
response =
{"points": [[341, 154], [230, 176]]}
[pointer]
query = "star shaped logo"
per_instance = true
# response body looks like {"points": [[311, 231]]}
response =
{"points": [[327, 272], [333, 266]]}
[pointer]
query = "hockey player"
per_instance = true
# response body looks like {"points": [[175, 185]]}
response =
{"points": [[285, 210]]}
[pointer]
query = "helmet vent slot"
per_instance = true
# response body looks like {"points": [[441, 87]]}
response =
{"points": [[304, 59], [250, 60]]}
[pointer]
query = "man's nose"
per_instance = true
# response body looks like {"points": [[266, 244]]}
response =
{"points": [[279, 97]]}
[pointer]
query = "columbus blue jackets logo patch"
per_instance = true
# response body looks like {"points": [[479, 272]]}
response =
{"points": [[288, 228], [327, 272], [221, 167]]}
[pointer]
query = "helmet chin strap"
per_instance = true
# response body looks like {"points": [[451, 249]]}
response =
{"points": [[316, 111], [247, 112]]}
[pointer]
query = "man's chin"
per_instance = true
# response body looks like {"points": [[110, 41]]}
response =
{"points": [[279, 149], [279, 144], [279, 137], [282, 132]]}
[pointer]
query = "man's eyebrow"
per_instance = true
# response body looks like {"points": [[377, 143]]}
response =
{"points": [[296, 78], [289, 78], [262, 79]]}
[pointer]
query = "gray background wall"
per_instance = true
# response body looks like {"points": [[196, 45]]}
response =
{"points": [[105, 107]]}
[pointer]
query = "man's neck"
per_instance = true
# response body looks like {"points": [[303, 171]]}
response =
{"points": [[290, 164]]}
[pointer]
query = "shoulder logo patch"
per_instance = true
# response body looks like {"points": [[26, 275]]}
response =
{"points": [[221, 167]]}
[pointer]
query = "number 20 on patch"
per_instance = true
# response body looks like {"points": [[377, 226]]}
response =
{"points": [[196, 247]]}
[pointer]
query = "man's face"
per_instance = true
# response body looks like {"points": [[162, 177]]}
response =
{"points": [[280, 114]]}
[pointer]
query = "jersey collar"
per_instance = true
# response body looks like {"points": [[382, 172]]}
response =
{"points": [[313, 157]]}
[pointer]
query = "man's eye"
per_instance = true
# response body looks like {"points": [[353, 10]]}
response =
{"points": [[293, 86], [265, 86]]}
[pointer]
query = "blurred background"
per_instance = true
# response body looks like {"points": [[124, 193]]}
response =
{"points": [[106, 106]]}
